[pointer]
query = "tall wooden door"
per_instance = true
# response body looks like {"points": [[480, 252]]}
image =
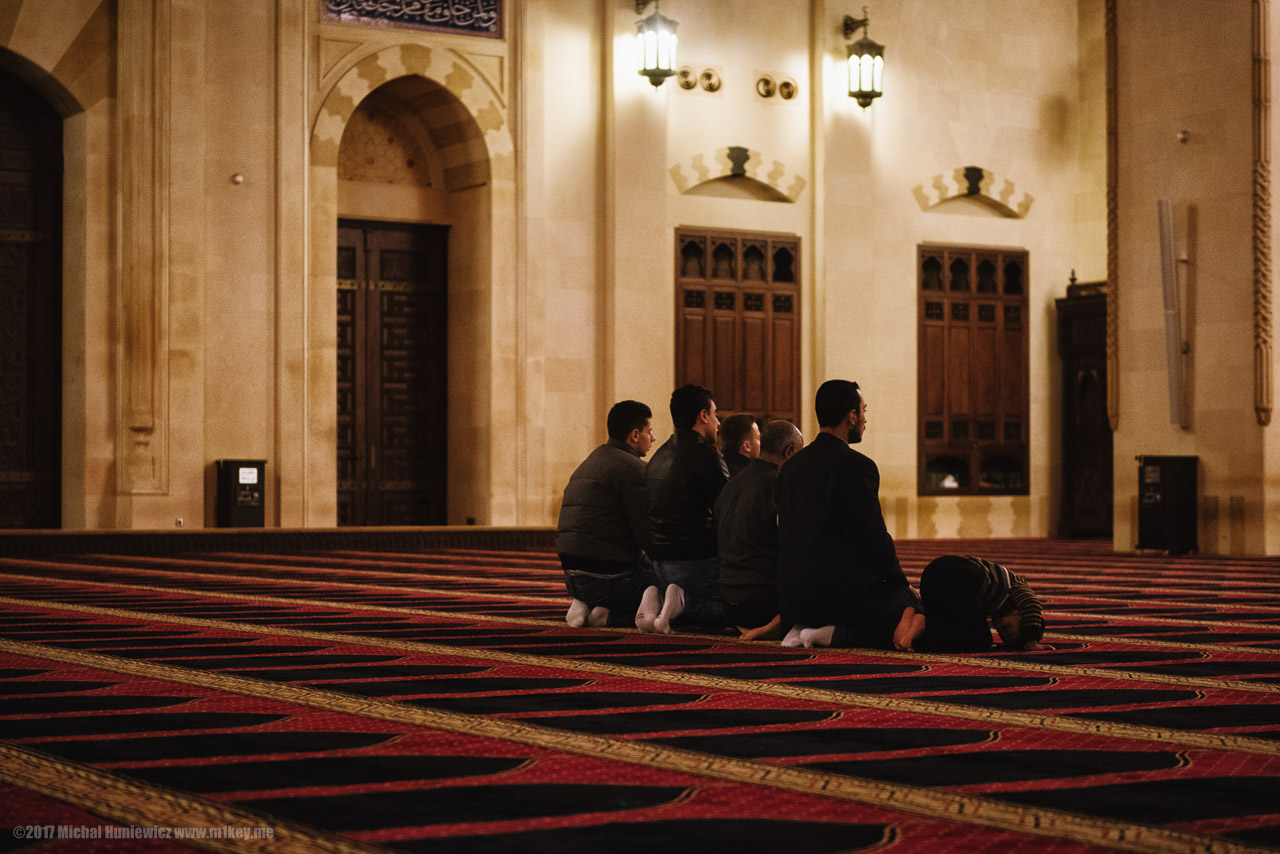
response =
{"points": [[30, 308], [391, 374]]}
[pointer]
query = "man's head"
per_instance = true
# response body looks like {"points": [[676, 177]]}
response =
{"points": [[629, 422], [841, 410], [692, 408], [741, 433], [779, 441], [1008, 626]]}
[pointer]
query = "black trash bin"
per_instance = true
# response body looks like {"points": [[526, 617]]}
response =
{"points": [[241, 493], [1167, 504]]}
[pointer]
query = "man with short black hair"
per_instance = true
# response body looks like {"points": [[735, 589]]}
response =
{"points": [[602, 523], [739, 441], [840, 582], [747, 532], [683, 480]]}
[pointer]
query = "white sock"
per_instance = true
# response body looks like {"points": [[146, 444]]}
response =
{"points": [[672, 608], [650, 605], [577, 616], [598, 617], [793, 636], [817, 637]]}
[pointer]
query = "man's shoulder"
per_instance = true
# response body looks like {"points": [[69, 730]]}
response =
{"points": [[608, 457]]}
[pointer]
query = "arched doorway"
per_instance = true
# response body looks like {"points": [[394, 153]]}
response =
{"points": [[464, 119], [30, 307]]}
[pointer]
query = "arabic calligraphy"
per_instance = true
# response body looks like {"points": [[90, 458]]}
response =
{"points": [[468, 17]]}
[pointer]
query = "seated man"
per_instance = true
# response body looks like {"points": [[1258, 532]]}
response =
{"points": [[739, 441], [747, 532], [602, 523], [683, 480], [959, 594], [839, 580]]}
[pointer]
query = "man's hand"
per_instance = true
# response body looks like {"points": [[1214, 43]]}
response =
{"points": [[769, 631]]}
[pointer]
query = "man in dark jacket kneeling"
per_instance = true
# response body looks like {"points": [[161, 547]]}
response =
{"points": [[603, 522]]}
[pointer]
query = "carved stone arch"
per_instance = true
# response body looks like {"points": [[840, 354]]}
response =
{"points": [[466, 118], [774, 180], [978, 184]]}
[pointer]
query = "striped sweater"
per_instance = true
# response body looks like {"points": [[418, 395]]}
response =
{"points": [[1002, 590]]}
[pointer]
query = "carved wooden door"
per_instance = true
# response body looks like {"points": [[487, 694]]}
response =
{"points": [[30, 308], [738, 319], [391, 374]]}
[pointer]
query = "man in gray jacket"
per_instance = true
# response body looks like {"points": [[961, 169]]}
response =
{"points": [[603, 522]]}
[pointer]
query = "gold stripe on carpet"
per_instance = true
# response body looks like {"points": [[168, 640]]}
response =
{"points": [[1211, 741], [929, 803], [138, 805]]}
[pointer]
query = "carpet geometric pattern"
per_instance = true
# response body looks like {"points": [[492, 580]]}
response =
{"points": [[345, 700]]}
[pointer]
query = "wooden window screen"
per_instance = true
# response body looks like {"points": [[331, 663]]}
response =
{"points": [[972, 379], [738, 319]]}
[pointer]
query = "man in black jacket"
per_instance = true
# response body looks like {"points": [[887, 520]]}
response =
{"points": [[747, 531], [683, 480], [840, 583], [602, 523]]}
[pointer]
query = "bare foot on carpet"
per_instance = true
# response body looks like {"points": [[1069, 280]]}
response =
{"points": [[910, 627]]}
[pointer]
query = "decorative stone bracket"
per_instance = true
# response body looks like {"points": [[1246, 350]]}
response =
{"points": [[736, 161], [976, 183]]}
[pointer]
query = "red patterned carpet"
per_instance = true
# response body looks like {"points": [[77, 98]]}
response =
{"points": [[345, 700]]}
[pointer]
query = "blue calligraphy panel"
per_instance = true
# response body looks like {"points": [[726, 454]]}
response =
{"points": [[463, 17]]}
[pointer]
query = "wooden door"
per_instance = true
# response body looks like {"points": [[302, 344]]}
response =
{"points": [[30, 308], [738, 319], [392, 328]]}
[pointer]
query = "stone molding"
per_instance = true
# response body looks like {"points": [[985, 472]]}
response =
{"points": [[143, 285], [1113, 223], [1262, 353]]}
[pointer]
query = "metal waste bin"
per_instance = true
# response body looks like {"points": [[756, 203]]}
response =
{"points": [[1167, 504], [241, 493]]}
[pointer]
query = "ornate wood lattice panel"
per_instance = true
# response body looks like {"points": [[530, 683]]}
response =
{"points": [[972, 371]]}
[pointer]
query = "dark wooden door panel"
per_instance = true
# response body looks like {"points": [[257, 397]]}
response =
{"points": [[394, 449], [30, 308]]}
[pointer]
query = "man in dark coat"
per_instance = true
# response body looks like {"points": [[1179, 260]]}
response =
{"points": [[840, 583], [739, 441], [683, 480], [602, 522], [747, 531]]}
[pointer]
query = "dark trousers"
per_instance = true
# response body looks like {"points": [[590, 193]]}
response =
{"points": [[873, 628], [751, 614], [619, 592], [700, 581], [954, 619]]}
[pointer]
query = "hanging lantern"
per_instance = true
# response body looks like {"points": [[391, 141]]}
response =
{"points": [[866, 63], [656, 45]]}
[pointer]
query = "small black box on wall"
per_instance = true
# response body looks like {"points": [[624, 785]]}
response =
{"points": [[242, 488], [1167, 504]]}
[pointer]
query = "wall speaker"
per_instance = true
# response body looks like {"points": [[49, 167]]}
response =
{"points": [[1173, 340]]}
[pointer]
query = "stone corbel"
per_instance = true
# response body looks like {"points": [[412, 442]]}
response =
{"points": [[143, 204]]}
